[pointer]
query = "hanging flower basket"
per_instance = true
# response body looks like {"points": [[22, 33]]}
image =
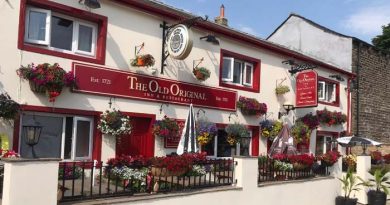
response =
{"points": [[166, 128], [331, 118], [8, 108], [114, 123], [206, 131], [201, 73], [300, 132], [250, 106], [270, 128], [47, 78], [146, 60], [235, 132], [282, 89]]}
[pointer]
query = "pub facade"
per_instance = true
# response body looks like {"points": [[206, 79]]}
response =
{"points": [[100, 47]]}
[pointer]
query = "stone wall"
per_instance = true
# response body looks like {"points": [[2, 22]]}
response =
{"points": [[374, 91]]}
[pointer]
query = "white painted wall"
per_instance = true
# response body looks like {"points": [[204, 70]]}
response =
{"points": [[127, 28], [299, 35], [31, 182]]}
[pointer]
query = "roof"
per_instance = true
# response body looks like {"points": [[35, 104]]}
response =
{"points": [[325, 29], [168, 12]]}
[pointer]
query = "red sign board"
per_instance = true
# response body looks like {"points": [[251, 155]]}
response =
{"points": [[111, 82], [306, 89]]}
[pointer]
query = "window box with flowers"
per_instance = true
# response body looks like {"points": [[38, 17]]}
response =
{"points": [[205, 130], [329, 158], [47, 78], [250, 106], [201, 73], [146, 60], [166, 128], [270, 128], [175, 165], [235, 133], [331, 118], [115, 123]]}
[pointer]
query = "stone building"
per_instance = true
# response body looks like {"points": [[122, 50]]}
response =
{"points": [[369, 89]]}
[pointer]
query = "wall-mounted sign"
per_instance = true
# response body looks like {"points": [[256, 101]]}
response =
{"points": [[179, 42], [306, 89], [112, 82]]}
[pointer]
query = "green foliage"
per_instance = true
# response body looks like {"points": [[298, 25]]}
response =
{"points": [[235, 132], [282, 89], [8, 108], [380, 180], [350, 183], [383, 41]]}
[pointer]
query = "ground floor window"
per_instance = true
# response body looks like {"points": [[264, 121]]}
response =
{"points": [[219, 147], [324, 144], [66, 137]]}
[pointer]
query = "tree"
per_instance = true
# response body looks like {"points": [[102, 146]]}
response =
{"points": [[383, 41]]}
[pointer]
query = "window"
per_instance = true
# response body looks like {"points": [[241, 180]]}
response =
{"points": [[50, 28], [66, 137], [59, 32], [328, 92], [239, 72], [324, 144], [220, 147]]}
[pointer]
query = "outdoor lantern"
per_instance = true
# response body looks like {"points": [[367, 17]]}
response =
{"points": [[245, 142], [32, 132], [287, 106], [210, 38], [93, 4]]}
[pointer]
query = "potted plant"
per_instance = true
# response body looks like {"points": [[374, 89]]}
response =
{"points": [[300, 132], [8, 108], [349, 183], [270, 128], [250, 106], [235, 132], [331, 118], [115, 123], [282, 89], [47, 78], [201, 73], [146, 60], [329, 158], [166, 128], [205, 131], [380, 182]]}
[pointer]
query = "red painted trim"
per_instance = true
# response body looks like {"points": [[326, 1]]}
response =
{"points": [[255, 141], [326, 133], [58, 110], [97, 141], [337, 102], [16, 133], [100, 57], [349, 114], [172, 14], [256, 71]]}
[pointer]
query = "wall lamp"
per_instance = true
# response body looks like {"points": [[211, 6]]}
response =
{"points": [[32, 132], [93, 4], [288, 106], [210, 38]]}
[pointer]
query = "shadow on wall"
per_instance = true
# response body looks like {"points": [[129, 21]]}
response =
{"points": [[116, 54]]}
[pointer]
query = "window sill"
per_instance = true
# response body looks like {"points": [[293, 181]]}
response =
{"points": [[335, 104], [36, 49], [238, 87]]}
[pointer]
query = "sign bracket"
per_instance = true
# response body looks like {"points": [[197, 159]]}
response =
{"points": [[296, 68]]}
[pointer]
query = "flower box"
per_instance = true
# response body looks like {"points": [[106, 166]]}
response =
{"points": [[250, 106], [164, 172]]}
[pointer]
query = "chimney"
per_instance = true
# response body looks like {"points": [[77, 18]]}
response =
{"points": [[221, 20]]}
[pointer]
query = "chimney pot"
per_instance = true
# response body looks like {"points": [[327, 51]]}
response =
{"points": [[221, 20]]}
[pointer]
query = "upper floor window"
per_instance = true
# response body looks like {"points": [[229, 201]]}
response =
{"points": [[239, 72], [50, 28], [60, 32], [328, 91]]}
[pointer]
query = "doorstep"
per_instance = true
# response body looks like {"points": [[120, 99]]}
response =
{"points": [[116, 200]]}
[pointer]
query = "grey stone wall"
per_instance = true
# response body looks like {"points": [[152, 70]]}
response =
{"points": [[374, 93]]}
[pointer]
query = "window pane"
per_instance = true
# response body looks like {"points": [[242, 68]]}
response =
{"points": [[237, 72], [37, 26], [320, 145], [330, 92], [244, 146], [209, 148], [49, 144], [226, 71], [68, 138], [82, 138], [321, 90], [85, 38], [248, 74], [223, 147], [61, 33]]}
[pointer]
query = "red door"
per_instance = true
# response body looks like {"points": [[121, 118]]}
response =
{"points": [[140, 141]]}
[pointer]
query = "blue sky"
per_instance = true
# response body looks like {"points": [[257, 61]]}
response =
{"points": [[359, 18]]}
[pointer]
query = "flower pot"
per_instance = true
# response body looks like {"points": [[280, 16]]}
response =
{"points": [[140, 62], [340, 200], [36, 88], [164, 172], [248, 112], [376, 197]]}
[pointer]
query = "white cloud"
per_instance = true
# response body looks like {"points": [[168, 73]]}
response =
{"points": [[247, 29], [369, 20]]}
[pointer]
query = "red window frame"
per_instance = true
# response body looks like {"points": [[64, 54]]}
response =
{"points": [[321, 133], [337, 102], [100, 56], [256, 72]]}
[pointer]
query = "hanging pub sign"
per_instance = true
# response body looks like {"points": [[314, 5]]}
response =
{"points": [[119, 83], [179, 43], [306, 89]]}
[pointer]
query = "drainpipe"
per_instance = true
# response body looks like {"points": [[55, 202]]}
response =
{"points": [[357, 89]]}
